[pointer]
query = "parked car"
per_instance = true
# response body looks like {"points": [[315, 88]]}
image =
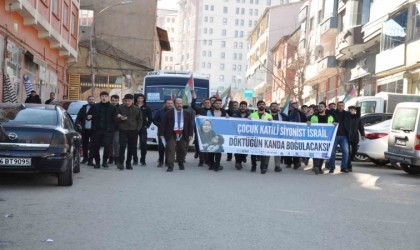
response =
{"points": [[39, 138], [376, 142], [72, 107], [404, 137]]}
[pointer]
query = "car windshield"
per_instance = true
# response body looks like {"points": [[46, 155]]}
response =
{"points": [[28, 116], [405, 119], [74, 107]]}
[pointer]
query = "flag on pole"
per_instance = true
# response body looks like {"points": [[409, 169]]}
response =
{"points": [[187, 96], [28, 84], [285, 109], [350, 93], [226, 93], [9, 93]]}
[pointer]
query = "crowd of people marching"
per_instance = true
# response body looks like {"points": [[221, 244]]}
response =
{"points": [[118, 127]]}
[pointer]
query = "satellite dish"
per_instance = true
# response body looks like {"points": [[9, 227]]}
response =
{"points": [[319, 51]]}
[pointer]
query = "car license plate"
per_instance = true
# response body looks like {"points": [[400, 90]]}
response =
{"points": [[15, 161], [400, 142]]}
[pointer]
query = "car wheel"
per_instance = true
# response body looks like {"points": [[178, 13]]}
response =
{"points": [[66, 178], [395, 165], [410, 169], [77, 162], [361, 157], [380, 162]]}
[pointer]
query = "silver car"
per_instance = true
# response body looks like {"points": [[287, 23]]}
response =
{"points": [[404, 137]]}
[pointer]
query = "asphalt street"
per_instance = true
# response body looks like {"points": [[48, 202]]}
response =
{"points": [[148, 208]]}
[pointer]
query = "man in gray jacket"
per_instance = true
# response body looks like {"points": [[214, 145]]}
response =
{"points": [[130, 121]]}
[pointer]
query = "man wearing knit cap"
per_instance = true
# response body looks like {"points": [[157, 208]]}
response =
{"points": [[130, 122]]}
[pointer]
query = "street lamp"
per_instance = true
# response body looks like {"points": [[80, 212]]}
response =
{"points": [[92, 75]]}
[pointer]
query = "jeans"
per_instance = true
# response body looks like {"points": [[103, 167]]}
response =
{"points": [[101, 137], [344, 144], [87, 147]]}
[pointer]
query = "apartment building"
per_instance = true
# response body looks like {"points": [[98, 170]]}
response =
{"points": [[168, 20], [275, 23], [119, 44], [213, 37], [37, 40]]}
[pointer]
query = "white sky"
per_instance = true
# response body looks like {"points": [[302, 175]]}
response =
{"points": [[167, 4]]}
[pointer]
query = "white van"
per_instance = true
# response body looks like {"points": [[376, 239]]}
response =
{"points": [[404, 137]]}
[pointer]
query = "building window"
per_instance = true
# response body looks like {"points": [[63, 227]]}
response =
{"points": [[236, 22], [237, 11], [212, 7], [243, 11], [268, 2], [211, 19], [250, 23], [311, 24], [223, 32], [223, 44], [225, 9], [64, 18], [241, 45], [209, 65], [206, 19], [206, 7], [250, 12], [224, 21], [209, 53], [73, 24], [205, 30], [257, 2], [203, 64], [239, 67], [242, 22], [210, 42], [54, 7], [341, 17], [394, 31], [211, 31], [363, 11], [241, 34], [204, 53], [222, 66], [234, 67], [416, 22], [222, 78], [222, 55], [204, 42], [235, 56], [393, 87], [240, 56], [256, 12], [251, 1], [235, 45], [236, 33]]}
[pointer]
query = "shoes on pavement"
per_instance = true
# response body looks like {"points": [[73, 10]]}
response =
{"points": [[91, 164], [244, 160], [129, 167], [143, 163], [297, 166], [350, 169], [253, 168], [218, 168], [120, 166], [160, 164], [111, 160], [200, 164], [331, 171], [211, 167], [84, 161], [135, 163], [278, 169], [343, 170], [316, 170], [105, 165], [238, 166], [97, 166], [321, 171], [288, 166], [263, 170], [196, 155], [170, 169], [229, 159], [181, 166]]}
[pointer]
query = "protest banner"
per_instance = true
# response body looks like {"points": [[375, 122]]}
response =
{"points": [[258, 137]]}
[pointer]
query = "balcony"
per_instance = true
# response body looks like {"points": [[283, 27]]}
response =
{"points": [[349, 43], [31, 17], [327, 63], [329, 26]]}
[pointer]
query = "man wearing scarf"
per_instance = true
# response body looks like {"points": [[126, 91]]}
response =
{"points": [[176, 132]]}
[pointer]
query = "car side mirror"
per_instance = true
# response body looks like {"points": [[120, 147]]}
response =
{"points": [[78, 127]]}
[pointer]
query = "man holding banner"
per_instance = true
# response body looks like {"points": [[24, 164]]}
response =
{"points": [[260, 114], [277, 116], [320, 117], [243, 112]]}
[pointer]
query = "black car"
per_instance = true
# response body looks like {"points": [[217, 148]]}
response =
{"points": [[37, 138]]}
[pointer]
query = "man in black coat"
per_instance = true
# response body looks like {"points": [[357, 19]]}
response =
{"points": [[206, 107], [356, 127], [295, 115], [157, 120], [242, 112], [147, 121], [33, 98], [103, 127], [84, 119]]}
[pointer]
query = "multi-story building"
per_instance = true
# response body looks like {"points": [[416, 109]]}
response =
{"points": [[213, 38], [37, 40], [168, 20], [125, 45], [275, 23]]}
